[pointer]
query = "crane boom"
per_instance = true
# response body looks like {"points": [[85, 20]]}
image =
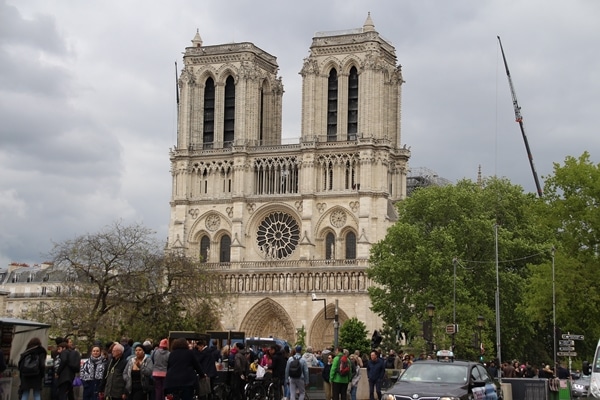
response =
{"points": [[519, 119]]}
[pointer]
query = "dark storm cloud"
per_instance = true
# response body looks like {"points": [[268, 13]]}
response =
{"points": [[87, 99]]}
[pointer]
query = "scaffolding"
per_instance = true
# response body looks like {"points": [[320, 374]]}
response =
{"points": [[423, 177]]}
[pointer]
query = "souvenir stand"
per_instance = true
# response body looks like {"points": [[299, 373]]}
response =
{"points": [[14, 335]]}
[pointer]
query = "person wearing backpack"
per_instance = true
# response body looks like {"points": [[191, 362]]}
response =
{"points": [[296, 374], [32, 367], [340, 374]]}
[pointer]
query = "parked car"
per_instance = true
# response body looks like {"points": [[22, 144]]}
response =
{"points": [[581, 387], [445, 378]]}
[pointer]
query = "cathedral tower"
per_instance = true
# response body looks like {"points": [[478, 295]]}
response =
{"points": [[280, 222]]}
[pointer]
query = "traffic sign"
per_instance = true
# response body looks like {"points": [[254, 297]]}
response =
{"points": [[566, 343], [567, 348], [451, 329], [572, 337], [566, 353]]}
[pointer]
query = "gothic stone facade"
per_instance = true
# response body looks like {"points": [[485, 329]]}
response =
{"points": [[281, 222]]}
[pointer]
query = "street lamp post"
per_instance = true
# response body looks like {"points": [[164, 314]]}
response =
{"points": [[430, 311], [480, 321], [335, 318]]}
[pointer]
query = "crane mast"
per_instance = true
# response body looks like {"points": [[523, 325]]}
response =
{"points": [[519, 119]]}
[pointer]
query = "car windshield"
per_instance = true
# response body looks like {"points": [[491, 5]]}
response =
{"points": [[441, 372]]}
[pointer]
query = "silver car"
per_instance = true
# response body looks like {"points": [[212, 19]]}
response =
{"points": [[581, 387]]}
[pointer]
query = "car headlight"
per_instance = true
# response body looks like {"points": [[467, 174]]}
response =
{"points": [[449, 398], [577, 386], [388, 396]]}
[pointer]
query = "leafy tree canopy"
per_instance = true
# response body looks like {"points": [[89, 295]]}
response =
{"points": [[443, 251]]}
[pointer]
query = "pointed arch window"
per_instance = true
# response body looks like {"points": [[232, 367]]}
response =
{"points": [[350, 246], [352, 103], [225, 249], [208, 132], [229, 118], [205, 249], [332, 105], [330, 246]]}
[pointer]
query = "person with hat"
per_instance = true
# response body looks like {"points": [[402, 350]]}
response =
{"points": [[299, 380], [160, 359]]}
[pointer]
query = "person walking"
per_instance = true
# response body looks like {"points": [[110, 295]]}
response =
{"points": [[183, 370], [278, 364], [160, 359], [375, 374], [296, 374], [91, 373], [340, 375], [32, 368]]}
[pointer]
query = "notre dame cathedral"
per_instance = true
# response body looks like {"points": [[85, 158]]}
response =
{"points": [[283, 222]]}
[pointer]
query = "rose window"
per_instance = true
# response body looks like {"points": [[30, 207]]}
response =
{"points": [[278, 235]]}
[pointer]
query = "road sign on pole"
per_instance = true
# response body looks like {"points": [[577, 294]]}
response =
{"points": [[566, 343], [451, 329], [566, 354], [570, 336], [567, 348]]}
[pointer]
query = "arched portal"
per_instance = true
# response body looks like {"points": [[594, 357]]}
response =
{"points": [[267, 318], [321, 332]]}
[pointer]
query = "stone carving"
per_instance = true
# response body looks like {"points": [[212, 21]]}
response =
{"points": [[194, 213], [338, 218], [213, 222], [321, 207]]}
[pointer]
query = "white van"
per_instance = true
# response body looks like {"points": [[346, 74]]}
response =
{"points": [[595, 373]]}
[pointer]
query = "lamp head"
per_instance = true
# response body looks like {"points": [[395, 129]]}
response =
{"points": [[314, 297]]}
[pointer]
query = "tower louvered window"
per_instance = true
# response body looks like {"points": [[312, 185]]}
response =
{"points": [[208, 132], [332, 105], [352, 104], [229, 120]]}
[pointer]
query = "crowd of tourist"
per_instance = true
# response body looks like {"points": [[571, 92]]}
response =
{"points": [[175, 370]]}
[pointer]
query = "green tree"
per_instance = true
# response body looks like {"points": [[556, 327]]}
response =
{"points": [[445, 237], [353, 336], [571, 210], [118, 281]]}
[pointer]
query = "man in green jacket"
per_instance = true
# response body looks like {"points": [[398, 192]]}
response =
{"points": [[339, 381]]}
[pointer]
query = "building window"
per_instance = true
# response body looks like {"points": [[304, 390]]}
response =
{"points": [[278, 235], [352, 103], [208, 134], [229, 119], [350, 246], [225, 249], [332, 105], [330, 246], [205, 249]]}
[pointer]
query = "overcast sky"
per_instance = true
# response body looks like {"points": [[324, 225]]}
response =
{"points": [[87, 95]]}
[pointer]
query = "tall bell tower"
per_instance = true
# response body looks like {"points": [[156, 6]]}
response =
{"points": [[281, 222]]}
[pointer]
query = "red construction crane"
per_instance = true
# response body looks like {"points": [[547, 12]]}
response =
{"points": [[519, 119]]}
